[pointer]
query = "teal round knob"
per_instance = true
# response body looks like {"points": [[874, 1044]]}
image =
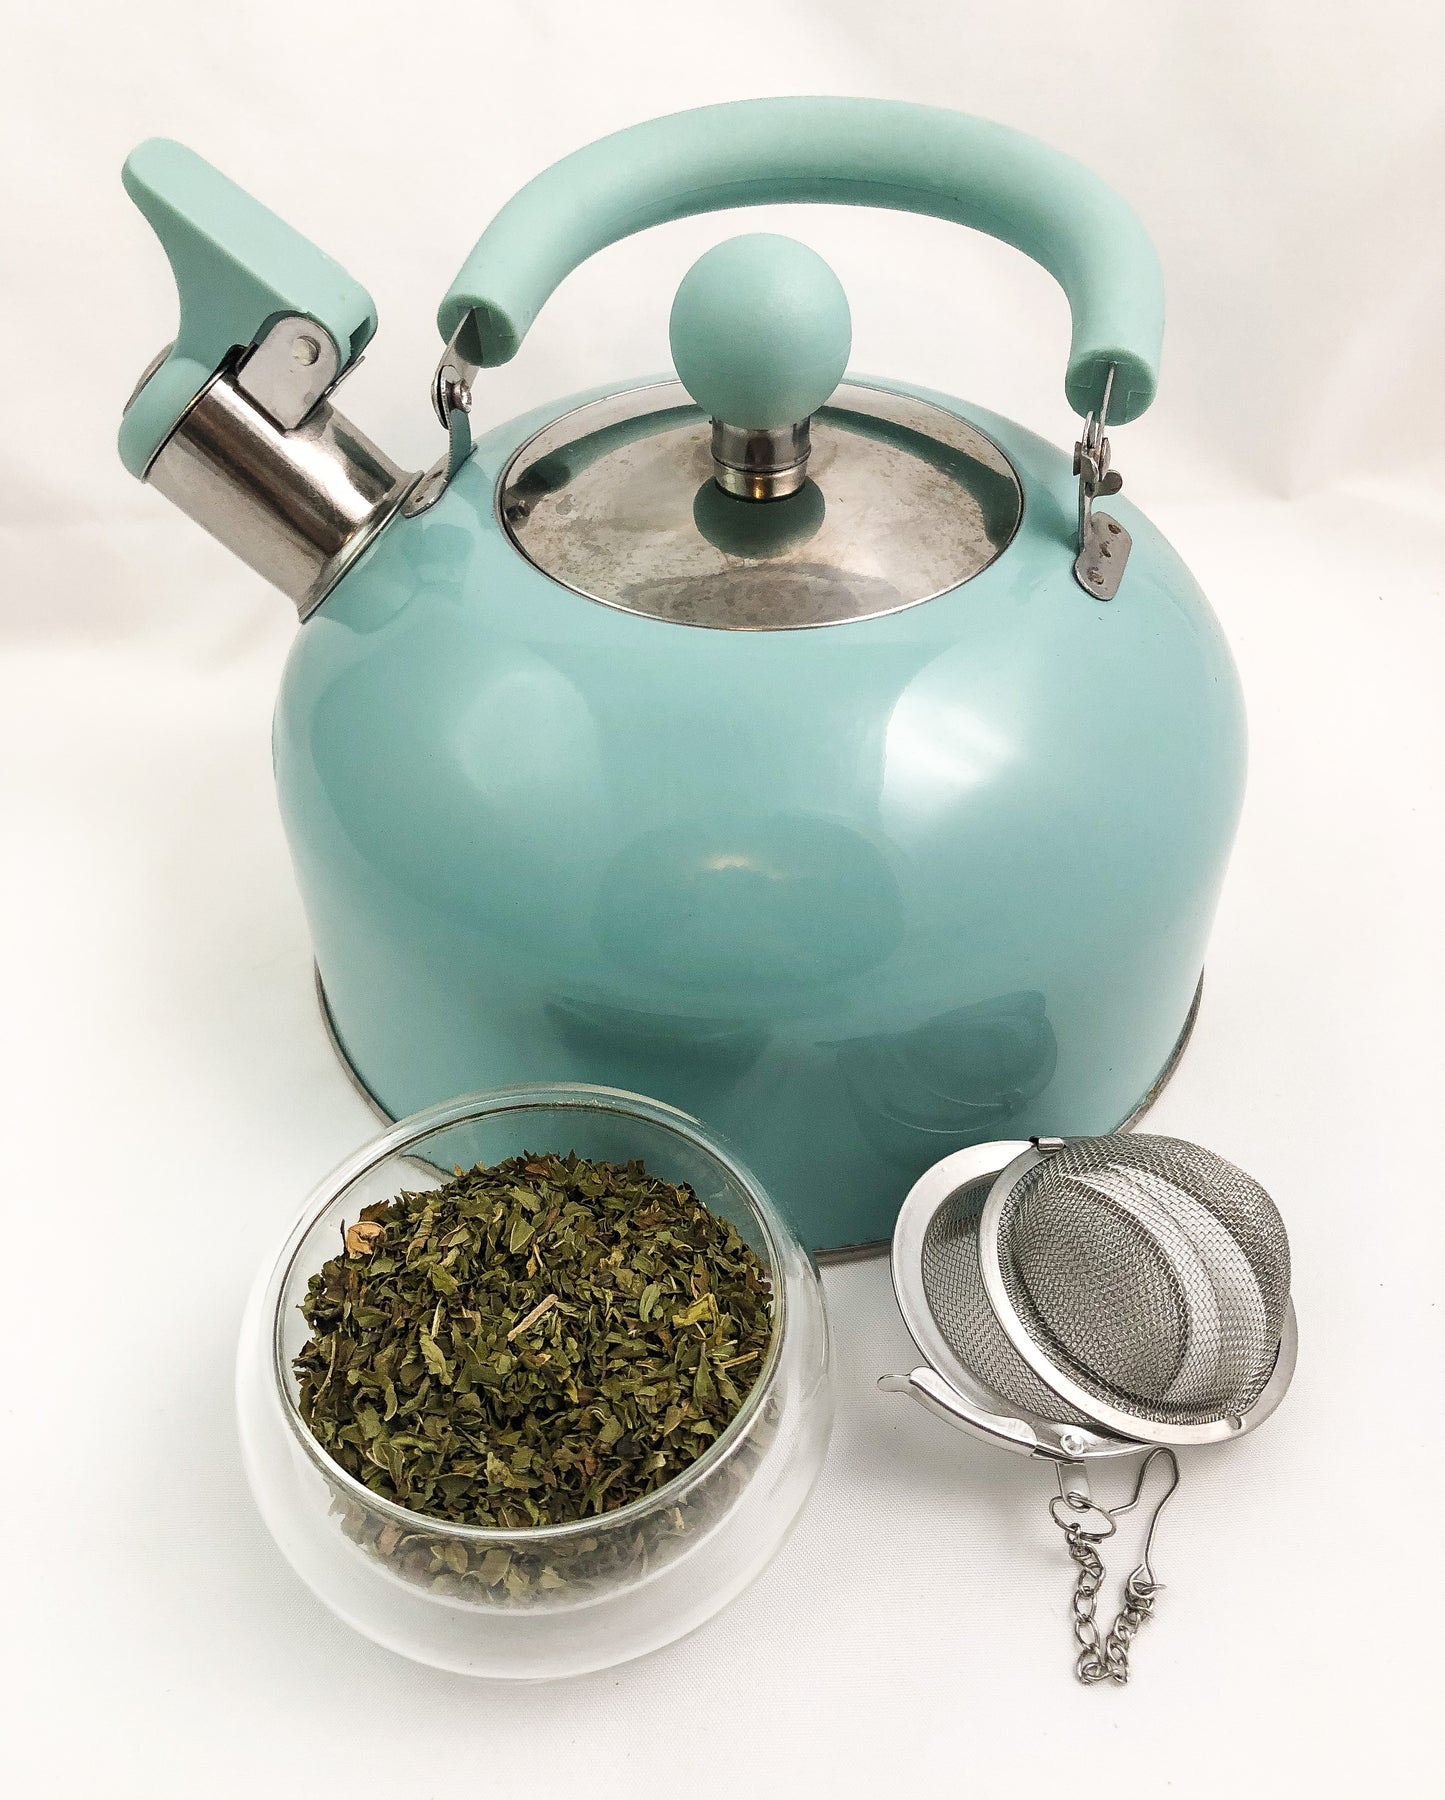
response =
{"points": [[760, 331]]}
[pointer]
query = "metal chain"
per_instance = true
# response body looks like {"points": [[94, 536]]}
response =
{"points": [[1106, 1658]]}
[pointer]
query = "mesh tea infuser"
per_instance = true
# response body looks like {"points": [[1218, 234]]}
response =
{"points": [[1091, 1298]]}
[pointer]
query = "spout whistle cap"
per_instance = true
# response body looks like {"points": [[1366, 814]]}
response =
{"points": [[238, 268]]}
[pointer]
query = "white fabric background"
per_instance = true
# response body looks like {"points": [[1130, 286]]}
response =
{"points": [[169, 1095]]}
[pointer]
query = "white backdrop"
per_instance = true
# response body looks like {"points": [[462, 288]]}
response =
{"points": [[170, 1095]]}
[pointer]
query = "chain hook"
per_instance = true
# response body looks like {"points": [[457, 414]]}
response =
{"points": [[1143, 1577]]}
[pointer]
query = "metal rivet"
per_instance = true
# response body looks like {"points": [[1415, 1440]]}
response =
{"points": [[461, 396], [305, 351]]}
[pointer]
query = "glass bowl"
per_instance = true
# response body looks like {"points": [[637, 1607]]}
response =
{"points": [[559, 1599]]}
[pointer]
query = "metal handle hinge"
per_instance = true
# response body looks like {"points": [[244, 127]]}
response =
{"points": [[1104, 544], [291, 370], [451, 400]]}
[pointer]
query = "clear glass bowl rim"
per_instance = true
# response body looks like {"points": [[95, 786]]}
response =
{"points": [[524, 1097]]}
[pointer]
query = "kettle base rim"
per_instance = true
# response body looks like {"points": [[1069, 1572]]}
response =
{"points": [[840, 1253]]}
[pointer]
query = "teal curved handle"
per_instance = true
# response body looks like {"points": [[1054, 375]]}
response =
{"points": [[886, 153], [237, 268]]}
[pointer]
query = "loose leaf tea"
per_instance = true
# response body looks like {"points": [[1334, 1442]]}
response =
{"points": [[531, 1343]]}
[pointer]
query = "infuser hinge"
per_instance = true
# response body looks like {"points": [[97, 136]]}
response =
{"points": [[1104, 544]]}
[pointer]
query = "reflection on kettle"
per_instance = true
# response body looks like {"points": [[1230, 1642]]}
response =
{"points": [[958, 1079], [757, 533], [710, 1051], [741, 908]]}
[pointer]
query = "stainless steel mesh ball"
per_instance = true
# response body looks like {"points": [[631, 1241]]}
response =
{"points": [[1144, 1280], [953, 1283]]}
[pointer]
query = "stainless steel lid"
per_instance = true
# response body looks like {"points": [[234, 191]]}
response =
{"points": [[617, 501]]}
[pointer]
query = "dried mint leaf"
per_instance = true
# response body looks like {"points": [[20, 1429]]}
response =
{"points": [[529, 1344]]}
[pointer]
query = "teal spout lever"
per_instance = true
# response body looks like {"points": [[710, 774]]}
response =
{"points": [[234, 421], [239, 270]]}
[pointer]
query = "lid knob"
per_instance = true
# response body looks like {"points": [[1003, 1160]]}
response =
{"points": [[760, 335]]}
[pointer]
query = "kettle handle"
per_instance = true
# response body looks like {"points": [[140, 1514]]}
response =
{"points": [[887, 153]]}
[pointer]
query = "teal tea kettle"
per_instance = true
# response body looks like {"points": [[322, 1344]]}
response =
{"points": [[806, 750]]}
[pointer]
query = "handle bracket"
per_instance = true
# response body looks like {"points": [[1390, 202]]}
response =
{"points": [[451, 400], [1104, 544], [291, 370]]}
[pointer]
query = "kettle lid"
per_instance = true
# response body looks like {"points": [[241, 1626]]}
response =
{"points": [[619, 501], [757, 493]]}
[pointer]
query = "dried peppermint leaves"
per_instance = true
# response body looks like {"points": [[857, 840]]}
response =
{"points": [[533, 1343]]}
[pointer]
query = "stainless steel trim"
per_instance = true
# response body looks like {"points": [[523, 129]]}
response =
{"points": [[891, 530], [334, 1039], [944, 1401], [292, 367], [1161, 1081], [1099, 566], [146, 373], [957, 1394], [760, 465], [299, 506]]}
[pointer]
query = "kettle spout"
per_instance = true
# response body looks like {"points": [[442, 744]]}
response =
{"points": [[233, 422], [299, 504]]}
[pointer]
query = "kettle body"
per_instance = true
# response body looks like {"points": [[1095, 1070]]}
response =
{"points": [[859, 884], [855, 895]]}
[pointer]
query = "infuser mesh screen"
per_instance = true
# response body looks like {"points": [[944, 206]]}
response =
{"points": [[1151, 1272], [953, 1286]]}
